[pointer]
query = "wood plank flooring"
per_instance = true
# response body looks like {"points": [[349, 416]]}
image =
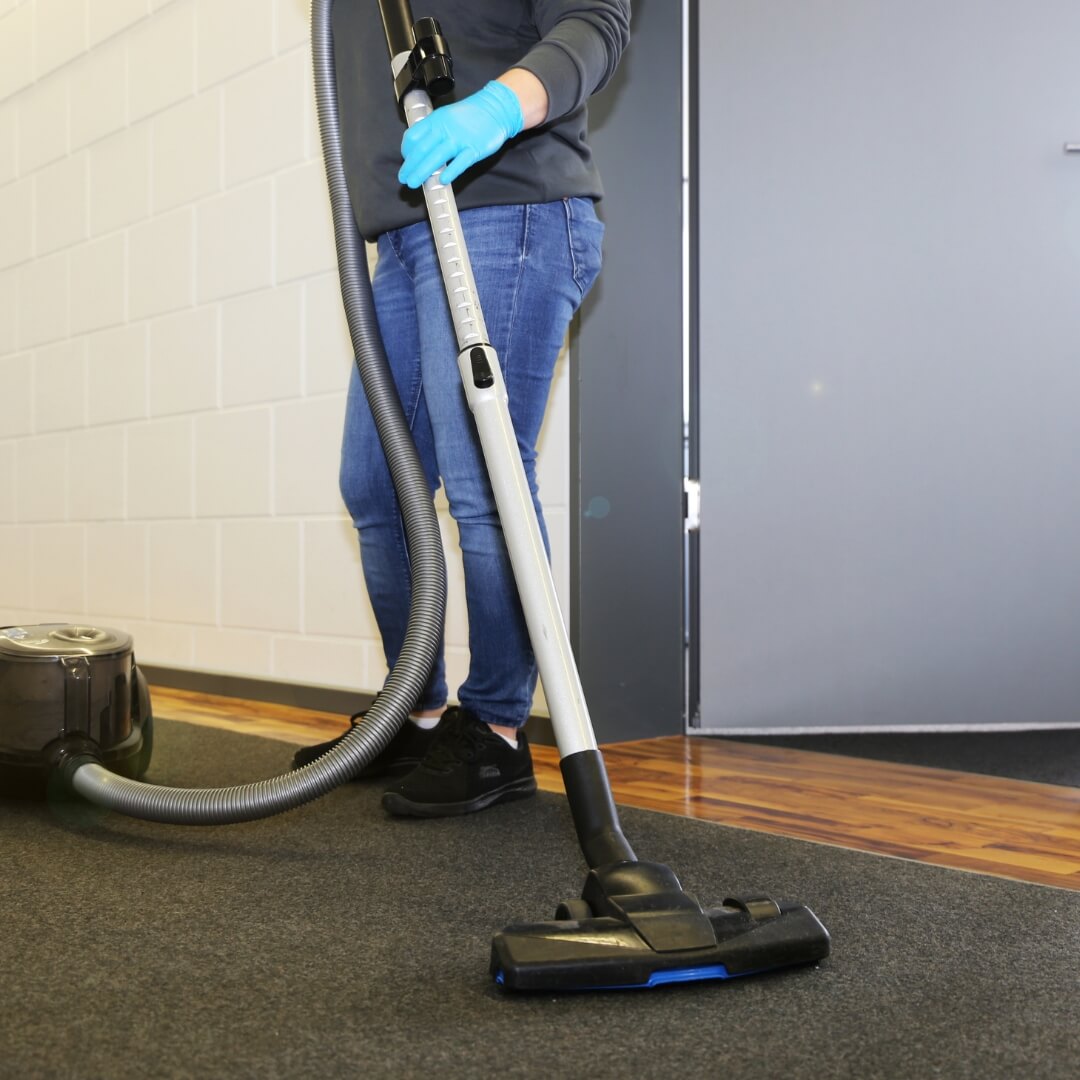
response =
{"points": [[1007, 828]]}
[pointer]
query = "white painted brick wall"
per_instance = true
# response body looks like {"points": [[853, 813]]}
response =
{"points": [[60, 386], [60, 211], [116, 375], [9, 334], [95, 486], [59, 33], [260, 574], [187, 152], [162, 257], [41, 479], [43, 122], [42, 296], [184, 571], [117, 554], [304, 230], [16, 395], [264, 119], [305, 460], [58, 581], [16, 551], [7, 483], [173, 352], [160, 470], [232, 464], [16, 49], [234, 37], [183, 361], [98, 281], [16, 223], [236, 242], [98, 92], [8, 134], [109, 17], [161, 60], [120, 180], [260, 340]]}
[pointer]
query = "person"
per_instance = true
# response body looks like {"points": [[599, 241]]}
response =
{"points": [[513, 139]]}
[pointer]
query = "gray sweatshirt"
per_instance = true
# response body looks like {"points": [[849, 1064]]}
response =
{"points": [[571, 46]]}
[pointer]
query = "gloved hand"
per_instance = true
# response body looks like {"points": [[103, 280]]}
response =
{"points": [[462, 134]]}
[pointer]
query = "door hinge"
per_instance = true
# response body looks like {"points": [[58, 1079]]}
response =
{"points": [[692, 504]]}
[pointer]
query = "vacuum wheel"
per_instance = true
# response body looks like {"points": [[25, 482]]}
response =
{"points": [[573, 910]]}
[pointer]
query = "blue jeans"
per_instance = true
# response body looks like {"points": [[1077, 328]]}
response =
{"points": [[533, 265]]}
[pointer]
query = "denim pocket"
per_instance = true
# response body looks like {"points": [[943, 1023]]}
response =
{"points": [[586, 235]]}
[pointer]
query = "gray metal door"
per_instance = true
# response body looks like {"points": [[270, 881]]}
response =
{"points": [[889, 364]]}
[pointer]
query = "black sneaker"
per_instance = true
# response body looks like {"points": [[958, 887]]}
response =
{"points": [[403, 753], [468, 768]]}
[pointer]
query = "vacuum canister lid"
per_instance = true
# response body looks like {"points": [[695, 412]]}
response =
{"points": [[62, 639]]}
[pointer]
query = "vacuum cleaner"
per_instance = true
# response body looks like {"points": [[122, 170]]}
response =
{"points": [[75, 709], [68, 686]]}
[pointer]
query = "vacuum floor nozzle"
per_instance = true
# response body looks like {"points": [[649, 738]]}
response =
{"points": [[635, 927], [610, 954]]}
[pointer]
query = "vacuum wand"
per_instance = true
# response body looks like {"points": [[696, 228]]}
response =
{"points": [[486, 395], [633, 926], [417, 75]]}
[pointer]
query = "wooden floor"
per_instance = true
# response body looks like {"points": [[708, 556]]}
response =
{"points": [[1007, 828]]}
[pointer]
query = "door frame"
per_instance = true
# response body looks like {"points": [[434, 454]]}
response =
{"points": [[627, 399]]}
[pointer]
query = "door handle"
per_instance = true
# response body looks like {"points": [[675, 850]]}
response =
{"points": [[1072, 148]]}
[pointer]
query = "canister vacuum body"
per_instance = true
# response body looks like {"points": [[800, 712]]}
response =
{"points": [[69, 690]]}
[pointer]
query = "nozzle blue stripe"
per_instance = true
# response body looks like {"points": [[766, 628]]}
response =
{"points": [[657, 978], [712, 971]]}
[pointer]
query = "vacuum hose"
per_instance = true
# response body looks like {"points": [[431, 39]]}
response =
{"points": [[247, 802]]}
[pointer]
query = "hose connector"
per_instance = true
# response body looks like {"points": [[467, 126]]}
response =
{"points": [[70, 753]]}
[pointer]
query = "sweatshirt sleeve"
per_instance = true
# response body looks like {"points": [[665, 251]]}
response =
{"points": [[579, 48]]}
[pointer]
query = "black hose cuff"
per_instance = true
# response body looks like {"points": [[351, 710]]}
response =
{"points": [[71, 753], [593, 809]]}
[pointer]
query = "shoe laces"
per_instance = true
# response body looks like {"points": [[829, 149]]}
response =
{"points": [[460, 738]]}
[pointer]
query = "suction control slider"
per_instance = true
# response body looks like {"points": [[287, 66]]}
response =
{"points": [[480, 358]]}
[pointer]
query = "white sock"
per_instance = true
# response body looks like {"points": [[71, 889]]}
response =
{"points": [[425, 722], [513, 742]]}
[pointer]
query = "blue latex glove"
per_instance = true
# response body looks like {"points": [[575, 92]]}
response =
{"points": [[462, 134]]}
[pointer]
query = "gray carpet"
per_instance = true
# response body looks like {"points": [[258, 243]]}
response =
{"points": [[1046, 757], [335, 942]]}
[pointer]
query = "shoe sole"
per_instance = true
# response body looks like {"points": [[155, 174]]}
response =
{"points": [[400, 806]]}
